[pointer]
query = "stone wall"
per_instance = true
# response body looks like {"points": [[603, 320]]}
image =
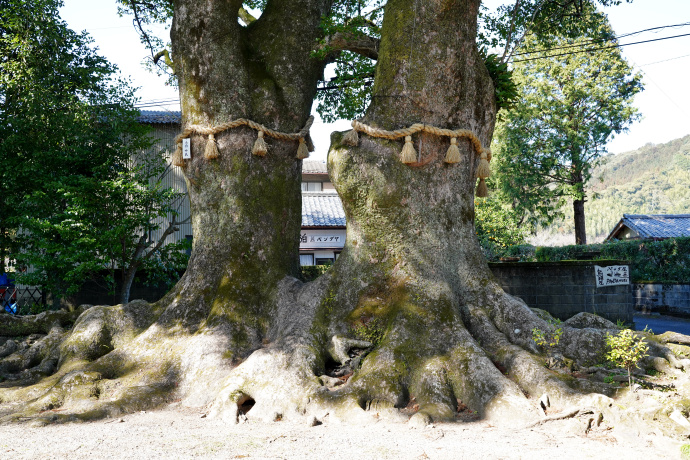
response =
{"points": [[662, 298], [565, 288]]}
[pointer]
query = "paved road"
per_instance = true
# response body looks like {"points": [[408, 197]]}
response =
{"points": [[660, 324]]}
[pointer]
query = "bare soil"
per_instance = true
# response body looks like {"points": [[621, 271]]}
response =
{"points": [[178, 432]]}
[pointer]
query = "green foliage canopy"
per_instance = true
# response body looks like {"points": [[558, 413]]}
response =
{"points": [[570, 105], [352, 31], [498, 227], [74, 201]]}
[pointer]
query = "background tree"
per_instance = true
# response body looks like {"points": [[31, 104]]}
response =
{"points": [[239, 332], [75, 198], [498, 227], [574, 98]]}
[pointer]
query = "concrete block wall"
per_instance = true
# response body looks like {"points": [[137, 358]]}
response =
{"points": [[565, 289], [662, 298]]}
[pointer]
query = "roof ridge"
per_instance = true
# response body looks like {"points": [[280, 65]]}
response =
{"points": [[320, 193], [645, 216]]}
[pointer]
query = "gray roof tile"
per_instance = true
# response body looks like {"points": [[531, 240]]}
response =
{"points": [[314, 167], [160, 117], [322, 209], [658, 225]]}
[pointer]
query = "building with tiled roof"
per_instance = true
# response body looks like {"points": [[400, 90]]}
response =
{"points": [[651, 226], [153, 117], [323, 227], [322, 210]]}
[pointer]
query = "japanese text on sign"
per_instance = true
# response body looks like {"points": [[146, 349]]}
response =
{"points": [[319, 239], [186, 149], [612, 276]]}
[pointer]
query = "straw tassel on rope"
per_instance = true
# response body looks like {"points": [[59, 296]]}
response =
{"points": [[483, 172], [408, 154], [302, 150], [453, 153], [260, 148], [211, 151], [482, 189], [177, 156]]}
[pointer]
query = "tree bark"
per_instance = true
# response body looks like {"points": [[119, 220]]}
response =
{"points": [[246, 209], [409, 316], [579, 215], [127, 280]]}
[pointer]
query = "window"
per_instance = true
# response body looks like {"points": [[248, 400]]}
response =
{"points": [[306, 259], [328, 261], [312, 187]]}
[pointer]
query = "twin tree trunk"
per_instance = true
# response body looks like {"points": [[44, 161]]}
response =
{"points": [[411, 272], [246, 209], [239, 327]]}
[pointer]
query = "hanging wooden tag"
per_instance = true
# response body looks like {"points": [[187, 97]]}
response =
{"points": [[186, 149]]}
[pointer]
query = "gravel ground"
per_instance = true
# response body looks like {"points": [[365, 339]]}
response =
{"points": [[177, 432]]}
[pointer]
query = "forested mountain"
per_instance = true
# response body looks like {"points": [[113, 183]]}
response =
{"points": [[654, 179]]}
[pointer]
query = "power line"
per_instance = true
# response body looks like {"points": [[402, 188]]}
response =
{"points": [[684, 24], [665, 60], [671, 26], [680, 109], [600, 48], [158, 102]]}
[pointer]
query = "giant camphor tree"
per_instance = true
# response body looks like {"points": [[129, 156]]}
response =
{"points": [[409, 317]]}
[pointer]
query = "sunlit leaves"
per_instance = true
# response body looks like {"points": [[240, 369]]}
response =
{"points": [[570, 105], [71, 194]]}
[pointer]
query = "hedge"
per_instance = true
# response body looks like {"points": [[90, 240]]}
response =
{"points": [[311, 272], [665, 261]]}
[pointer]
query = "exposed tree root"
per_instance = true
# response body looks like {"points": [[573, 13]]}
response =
{"points": [[111, 363], [388, 333]]}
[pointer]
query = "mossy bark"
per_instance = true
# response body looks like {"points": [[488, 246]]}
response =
{"points": [[409, 323]]}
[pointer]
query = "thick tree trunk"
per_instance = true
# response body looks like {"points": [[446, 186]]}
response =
{"points": [[411, 277], [412, 261], [579, 214], [409, 321], [245, 209]]}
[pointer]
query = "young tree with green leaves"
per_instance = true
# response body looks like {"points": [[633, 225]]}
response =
{"points": [[239, 330], [498, 227], [575, 94], [76, 197]]}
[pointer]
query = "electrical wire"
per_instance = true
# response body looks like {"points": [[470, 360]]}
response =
{"points": [[588, 50], [629, 34]]}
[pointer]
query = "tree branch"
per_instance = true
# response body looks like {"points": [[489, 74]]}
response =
{"points": [[245, 16], [166, 55], [357, 43]]}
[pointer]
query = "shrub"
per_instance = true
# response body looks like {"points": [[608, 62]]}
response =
{"points": [[625, 350], [311, 272]]}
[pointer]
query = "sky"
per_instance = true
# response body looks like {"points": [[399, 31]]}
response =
{"points": [[665, 65]]}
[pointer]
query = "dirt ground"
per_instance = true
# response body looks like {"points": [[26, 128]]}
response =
{"points": [[178, 432]]}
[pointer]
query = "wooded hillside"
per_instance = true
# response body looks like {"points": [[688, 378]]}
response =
{"points": [[654, 179]]}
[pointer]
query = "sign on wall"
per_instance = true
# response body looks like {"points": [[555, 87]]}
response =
{"points": [[612, 275], [322, 239]]}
